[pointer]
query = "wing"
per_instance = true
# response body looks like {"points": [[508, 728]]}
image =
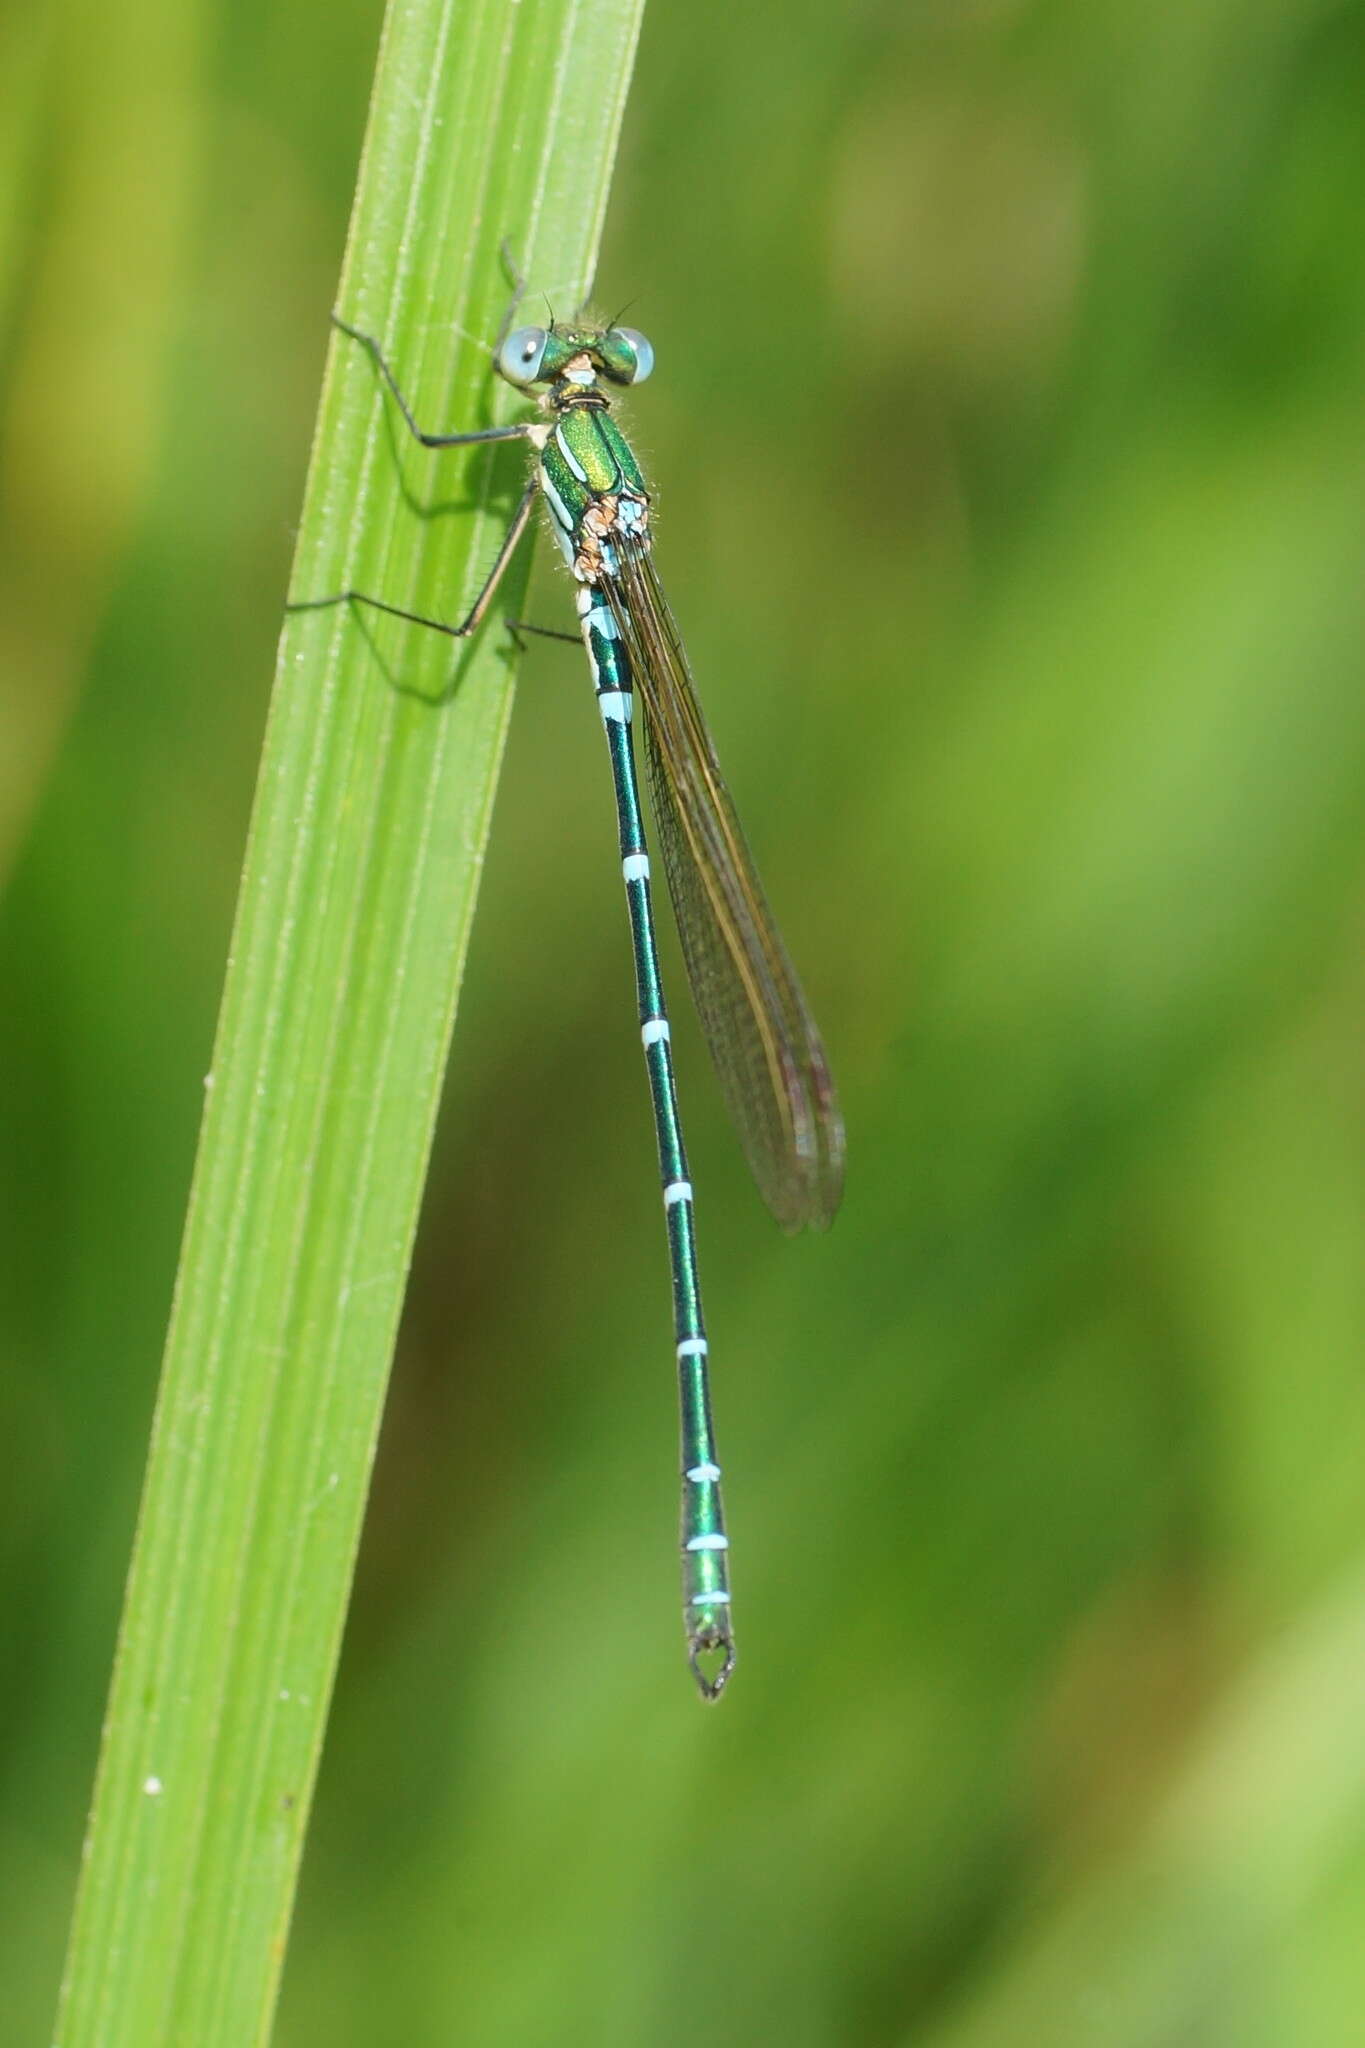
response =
{"points": [[767, 1051]]}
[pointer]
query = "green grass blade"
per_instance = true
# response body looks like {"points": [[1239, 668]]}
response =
{"points": [[488, 121]]}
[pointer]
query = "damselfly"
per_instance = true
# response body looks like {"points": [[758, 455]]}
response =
{"points": [[767, 1052]]}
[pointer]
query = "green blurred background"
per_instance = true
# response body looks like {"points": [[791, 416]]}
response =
{"points": [[1009, 429]]}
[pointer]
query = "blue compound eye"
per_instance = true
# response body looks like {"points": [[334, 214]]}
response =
{"points": [[640, 349], [521, 355]]}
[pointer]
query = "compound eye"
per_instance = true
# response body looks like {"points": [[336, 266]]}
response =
{"points": [[521, 355], [640, 349]]}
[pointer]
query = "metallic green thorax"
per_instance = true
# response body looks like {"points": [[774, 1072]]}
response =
{"points": [[591, 483], [588, 454], [586, 457]]}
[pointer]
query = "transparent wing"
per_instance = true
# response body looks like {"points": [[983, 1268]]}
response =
{"points": [[767, 1051]]}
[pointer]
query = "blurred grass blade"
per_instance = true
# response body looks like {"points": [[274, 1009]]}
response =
{"points": [[488, 121], [1186, 1930]]}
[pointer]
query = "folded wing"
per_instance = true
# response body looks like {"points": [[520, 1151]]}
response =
{"points": [[767, 1051]]}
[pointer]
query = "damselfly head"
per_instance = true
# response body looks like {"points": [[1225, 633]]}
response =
{"points": [[540, 355]]}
